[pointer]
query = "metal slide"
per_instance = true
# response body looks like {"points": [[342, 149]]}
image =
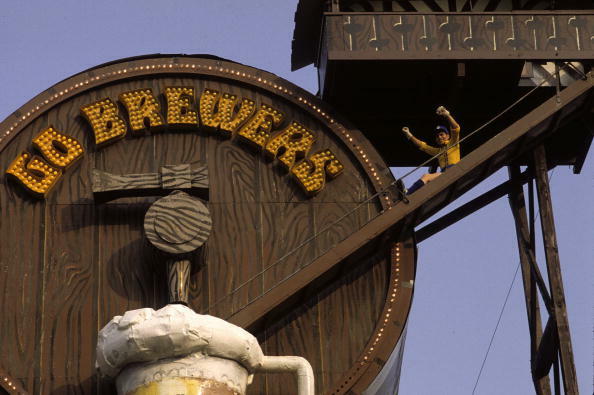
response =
{"points": [[521, 137]]}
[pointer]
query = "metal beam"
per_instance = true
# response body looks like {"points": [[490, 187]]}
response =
{"points": [[527, 239], [556, 376], [501, 149], [408, 7], [433, 6], [517, 204], [547, 351], [530, 4], [445, 45], [492, 5], [554, 271], [465, 210], [588, 123], [469, 5]]}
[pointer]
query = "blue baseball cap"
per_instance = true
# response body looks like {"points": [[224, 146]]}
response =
{"points": [[440, 128]]}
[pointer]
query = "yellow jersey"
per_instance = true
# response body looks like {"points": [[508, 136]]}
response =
{"points": [[448, 154]]}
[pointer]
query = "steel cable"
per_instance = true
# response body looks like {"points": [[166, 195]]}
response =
{"points": [[502, 309], [366, 201]]}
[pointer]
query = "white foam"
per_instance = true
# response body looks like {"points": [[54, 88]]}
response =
{"points": [[146, 335]]}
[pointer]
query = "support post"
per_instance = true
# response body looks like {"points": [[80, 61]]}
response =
{"points": [[517, 204], [468, 208], [554, 271], [556, 376], [547, 353]]}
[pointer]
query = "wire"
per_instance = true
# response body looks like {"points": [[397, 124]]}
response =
{"points": [[503, 307], [496, 327], [584, 76], [545, 80], [366, 201]]}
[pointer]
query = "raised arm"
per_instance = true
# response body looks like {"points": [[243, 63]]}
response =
{"points": [[454, 126], [423, 146]]}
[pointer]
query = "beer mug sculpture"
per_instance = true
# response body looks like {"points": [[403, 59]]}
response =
{"points": [[176, 351]]}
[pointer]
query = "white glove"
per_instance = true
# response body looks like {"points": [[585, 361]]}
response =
{"points": [[441, 110], [407, 132]]}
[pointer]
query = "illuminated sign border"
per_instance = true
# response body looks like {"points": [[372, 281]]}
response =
{"points": [[199, 67], [385, 335], [221, 113]]}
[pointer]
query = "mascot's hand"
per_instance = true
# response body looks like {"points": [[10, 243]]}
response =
{"points": [[407, 132], [441, 110]]}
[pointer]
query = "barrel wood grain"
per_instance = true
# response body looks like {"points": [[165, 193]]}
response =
{"points": [[131, 275], [234, 256], [335, 221], [288, 337], [70, 300], [22, 220], [355, 300], [286, 230], [86, 262], [21, 285]]}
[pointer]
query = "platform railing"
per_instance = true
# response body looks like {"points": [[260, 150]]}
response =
{"points": [[562, 35]]}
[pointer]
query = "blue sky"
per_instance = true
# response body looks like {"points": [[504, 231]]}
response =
{"points": [[463, 273]]}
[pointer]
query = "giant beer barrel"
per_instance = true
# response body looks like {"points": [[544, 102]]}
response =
{"points": [[287, 179]]}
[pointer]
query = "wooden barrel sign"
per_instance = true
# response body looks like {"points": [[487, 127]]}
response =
{"points": [[280, 177]]}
